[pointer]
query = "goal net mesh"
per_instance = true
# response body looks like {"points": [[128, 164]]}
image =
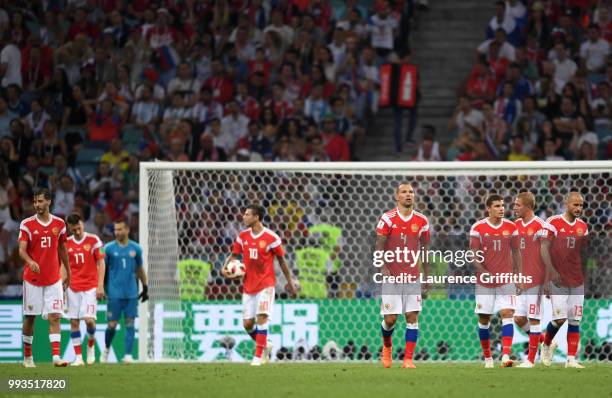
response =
{"points": [[326, 220]]}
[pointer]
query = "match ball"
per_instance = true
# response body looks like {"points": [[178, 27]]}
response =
{"points": [[235, 269]]}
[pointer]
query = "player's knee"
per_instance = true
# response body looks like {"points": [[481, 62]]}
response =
{"points": [[90, 323], [261, 319], [112, 325], [248, 324], [129, 322], [412, 317], [559, 322], [506, 313], [74, 324], [390, 320], [520, 320], [484, 318]]}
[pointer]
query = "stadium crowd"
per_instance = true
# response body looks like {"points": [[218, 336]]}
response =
{"points": [[540, 88], [91, 88]]}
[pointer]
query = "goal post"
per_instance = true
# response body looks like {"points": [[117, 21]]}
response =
{"points": [[325, 214]]}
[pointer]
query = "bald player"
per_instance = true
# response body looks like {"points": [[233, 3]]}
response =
{"points": [[567, 283]]}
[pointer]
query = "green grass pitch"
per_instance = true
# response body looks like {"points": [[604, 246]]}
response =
{"points": [[318, 380]]}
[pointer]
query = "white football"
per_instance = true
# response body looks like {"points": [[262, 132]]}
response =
{"points": [[235, 269]]}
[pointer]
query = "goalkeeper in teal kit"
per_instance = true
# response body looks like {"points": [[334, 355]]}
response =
{"points": [[124, 268]]}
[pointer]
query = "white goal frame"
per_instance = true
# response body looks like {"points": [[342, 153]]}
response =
{"points": [[420, 168]]}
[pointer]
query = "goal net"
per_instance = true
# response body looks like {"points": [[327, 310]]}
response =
{"points": [[190, 213]]}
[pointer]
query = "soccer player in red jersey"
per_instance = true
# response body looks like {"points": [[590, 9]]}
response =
{"points": [[259, 246], [532, 231], [42, 239], [496, 238], [402, 227], [567, 282], [87, 268]]}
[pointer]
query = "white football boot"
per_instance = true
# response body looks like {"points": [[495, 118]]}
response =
{"points": [[28, 362], [78, 361], [91, 355], [267, 351], [489, 363]]}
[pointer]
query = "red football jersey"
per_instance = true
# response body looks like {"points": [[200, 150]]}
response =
{"points": [[404, 232], [565, 249], [530, 236], [83, 256], [258, 252], [43, 242], [496, 243]]}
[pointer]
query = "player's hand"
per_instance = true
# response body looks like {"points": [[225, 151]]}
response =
{"points": [[100, 294], [554, 277], [293, 287], [519, 289], [144, 295], [66, 282], [34, 267], [479, 268], [546, 289]]}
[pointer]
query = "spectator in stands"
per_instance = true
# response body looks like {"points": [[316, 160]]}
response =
{"points": [[50, 145], [60, 169], [521, 87], [567, 31], [118, 207], [15, 102], [506, 50], [493, 131], [528, 68], [33, 175], [37, 118], [63, 197], [503, 20], [601, 106], [465, 116], [116, 156], [550, 150], [566, 121], [539, 27], [429, 149], [208, 151], [481, 86], [565, 67], [6, 116], [22, 139], [336, 146], [10, 60], [383, 28], [593, 52], [104, 124], [146, 111], [102, 180], [507, 106], [317, 151], [517, 150]]}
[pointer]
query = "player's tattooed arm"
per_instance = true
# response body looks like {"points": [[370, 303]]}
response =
{"points": [[551, 274], [517, 264], [100, 294], [381, 241], [285, 268], [23, 253], [63, 255], [425, 265]]}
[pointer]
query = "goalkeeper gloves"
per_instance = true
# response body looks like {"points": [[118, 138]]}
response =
{"points": [[144, 295]]}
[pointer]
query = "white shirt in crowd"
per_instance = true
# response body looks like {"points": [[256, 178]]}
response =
{"points": [[505, 51], [11, 56], [382, 31], [595, 53]]}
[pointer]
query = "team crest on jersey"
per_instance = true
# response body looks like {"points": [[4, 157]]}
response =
{"points": [[87, 247], [55, 231], [579, 231], [530, 232], [506, 233], [414, 227], [262, 244], [132, 253]]}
